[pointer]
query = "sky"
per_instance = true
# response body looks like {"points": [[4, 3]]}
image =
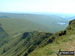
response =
{"points": [[50, 6]]}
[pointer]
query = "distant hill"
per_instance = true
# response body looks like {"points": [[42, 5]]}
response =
{"points": [[3, 16]]}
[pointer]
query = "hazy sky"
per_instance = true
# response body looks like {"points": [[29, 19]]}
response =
{"points": [[57, 6]]}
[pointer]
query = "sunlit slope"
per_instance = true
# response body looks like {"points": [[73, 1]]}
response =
{"points": [[64, 40]]}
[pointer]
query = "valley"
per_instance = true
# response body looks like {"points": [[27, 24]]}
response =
{"points": [[32, 34]]}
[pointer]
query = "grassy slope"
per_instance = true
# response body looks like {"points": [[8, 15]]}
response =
{"points": [[3, 36], [63, 42], [23, 44]]}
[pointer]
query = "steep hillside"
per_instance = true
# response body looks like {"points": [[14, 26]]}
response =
{"points": [[3, 36], [22, 45], [64, 40]]}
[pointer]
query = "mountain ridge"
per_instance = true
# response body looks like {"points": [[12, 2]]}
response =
{"points": [[30, 42], [64, 40]]}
